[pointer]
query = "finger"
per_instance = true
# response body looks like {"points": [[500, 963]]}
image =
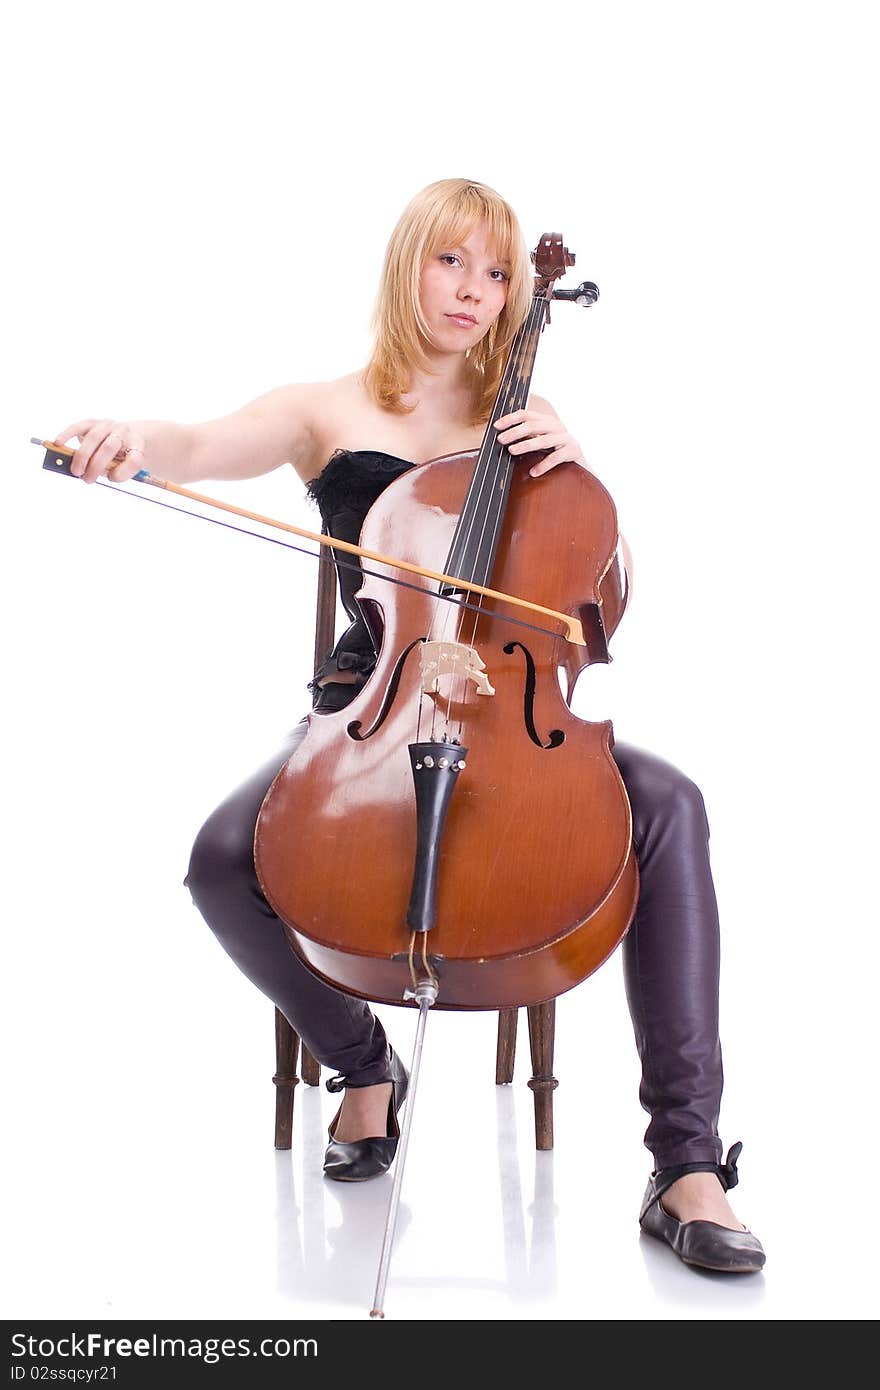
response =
{"points": [[535, 424], [556, 456], [126, 469], [100, 445], [88, 443], [77, 429], [541, 441], [102, 458], [511, 418], [514, 432]]}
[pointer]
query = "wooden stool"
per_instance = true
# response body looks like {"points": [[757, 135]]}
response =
{"points": [[542, 1017]]}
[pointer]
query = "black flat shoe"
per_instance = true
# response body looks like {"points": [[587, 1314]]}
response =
{"points": [[702, 1243], [367, 1158]]}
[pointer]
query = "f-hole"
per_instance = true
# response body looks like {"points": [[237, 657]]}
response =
{"points": [[557, 737], [354, 728]]}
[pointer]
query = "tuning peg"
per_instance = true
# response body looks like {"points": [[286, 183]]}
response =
{"points": [[586, 294]]}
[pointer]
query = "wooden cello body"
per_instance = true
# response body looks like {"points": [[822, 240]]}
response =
{"points": [[536, 880]]}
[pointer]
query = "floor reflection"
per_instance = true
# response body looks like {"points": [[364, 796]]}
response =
{"points": [[329, 1242], [676, 1283], [531, 1263]]}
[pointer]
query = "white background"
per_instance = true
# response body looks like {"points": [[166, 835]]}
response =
{"points": [[198, 200]]}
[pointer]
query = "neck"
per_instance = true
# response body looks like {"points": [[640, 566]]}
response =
{"points": [[447, 388]]}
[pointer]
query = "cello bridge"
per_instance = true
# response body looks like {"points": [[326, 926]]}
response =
{"points": [[452, 659]]}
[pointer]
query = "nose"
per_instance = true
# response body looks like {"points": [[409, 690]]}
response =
{"points": [[469, 288]]}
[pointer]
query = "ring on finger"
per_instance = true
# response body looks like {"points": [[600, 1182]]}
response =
{"points": [[123, 451]]}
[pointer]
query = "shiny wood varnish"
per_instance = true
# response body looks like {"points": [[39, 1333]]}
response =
{"points": [[538, 880]]}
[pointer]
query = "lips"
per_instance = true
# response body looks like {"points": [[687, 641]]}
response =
{"points": [[463, 318]]}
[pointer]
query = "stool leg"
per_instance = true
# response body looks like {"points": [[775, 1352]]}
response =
{"points": [[542, 1027], [311, 1068], [285, 1079], [505, 1052]]}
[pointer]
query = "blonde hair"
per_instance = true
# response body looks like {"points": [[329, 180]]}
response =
{"points": [[443, 214]]}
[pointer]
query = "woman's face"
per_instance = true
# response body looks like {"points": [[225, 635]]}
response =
{"points": [[463, 290]]}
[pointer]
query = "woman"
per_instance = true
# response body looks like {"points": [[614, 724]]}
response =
{"points": [[456, 286]]}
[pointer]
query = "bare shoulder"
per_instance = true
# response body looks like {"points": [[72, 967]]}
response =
{"points": [[539, 403], [316, 404], [338, 402], [343, 393], [300, 415]]}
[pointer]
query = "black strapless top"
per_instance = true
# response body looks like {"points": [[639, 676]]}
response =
{"points": [[345, 491]]}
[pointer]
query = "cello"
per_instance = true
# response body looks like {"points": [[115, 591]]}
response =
{"points": [[493, 832]]}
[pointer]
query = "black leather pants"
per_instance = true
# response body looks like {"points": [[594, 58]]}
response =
{"points": [[670, 952]]}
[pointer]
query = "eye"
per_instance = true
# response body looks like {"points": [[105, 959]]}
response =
{"points": [[499, 276]]}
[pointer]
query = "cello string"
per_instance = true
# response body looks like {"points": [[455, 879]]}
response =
{"points": [[480, 479], [487, 473], [500, 459], [493, 462]]}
